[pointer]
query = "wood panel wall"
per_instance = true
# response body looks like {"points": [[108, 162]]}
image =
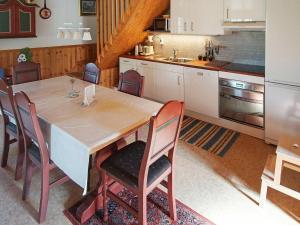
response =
{"points": [[55, 61]]}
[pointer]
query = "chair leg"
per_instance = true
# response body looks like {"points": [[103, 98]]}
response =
{"points": [[137, 135], [171, 197], [5, 150], [142, 208], [89, 172], [104, 194], [20, 159], [44, 195], [27, 180]]}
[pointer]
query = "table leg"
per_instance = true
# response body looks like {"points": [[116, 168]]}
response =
{"points": [[278, 170], [93, 201]]}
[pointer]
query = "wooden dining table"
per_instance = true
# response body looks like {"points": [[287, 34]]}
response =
{"points": [[74, 132]]}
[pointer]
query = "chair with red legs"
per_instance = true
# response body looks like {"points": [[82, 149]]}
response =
{"points": [[141, 167], [11, 128], [37, 154]]}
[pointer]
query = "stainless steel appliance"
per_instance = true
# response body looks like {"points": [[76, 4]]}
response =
{"points": [[242, 102], [161, 24]]}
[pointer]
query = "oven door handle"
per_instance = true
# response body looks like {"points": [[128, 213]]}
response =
{"points": [[243, 99]]}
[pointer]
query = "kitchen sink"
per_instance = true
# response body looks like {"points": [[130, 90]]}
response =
{"points": [[179, 60]]}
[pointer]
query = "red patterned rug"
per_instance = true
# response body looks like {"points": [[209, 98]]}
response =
{"points": [[157, 208]]}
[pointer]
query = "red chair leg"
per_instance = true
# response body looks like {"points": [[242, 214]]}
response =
{"points": [[142, 208], [171, 197], [44, 195], [20, 159], [137, 135], [5, 150], [104, 194], [27, 180]]}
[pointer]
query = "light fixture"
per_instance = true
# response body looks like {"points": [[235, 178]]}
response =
{"points": [[60, 33], [75, 33], [87, 35]]}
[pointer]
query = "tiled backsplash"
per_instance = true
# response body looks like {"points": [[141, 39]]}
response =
{"points": [[240, 47]]}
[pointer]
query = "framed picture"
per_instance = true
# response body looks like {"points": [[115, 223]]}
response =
{"points": [[87, 7]]}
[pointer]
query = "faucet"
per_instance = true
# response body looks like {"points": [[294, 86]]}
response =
{"points": [[175, 51]]}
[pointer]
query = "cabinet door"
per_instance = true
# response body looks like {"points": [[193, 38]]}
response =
{"points": [[126, 64], [179, 16], [282, 111], [254, 10], [144, 68], [212, 9], [169, 86], [201, 91]]}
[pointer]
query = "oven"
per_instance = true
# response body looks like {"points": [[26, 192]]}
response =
{"points": [[242, 102]]}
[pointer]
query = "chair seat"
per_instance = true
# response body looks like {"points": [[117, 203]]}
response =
{"points": [[12, 128], [125, 164]]}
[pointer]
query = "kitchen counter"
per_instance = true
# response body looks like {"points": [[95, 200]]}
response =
{"points": [[214, 65]]}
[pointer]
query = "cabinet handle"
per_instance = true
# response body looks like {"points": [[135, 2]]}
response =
{"points": [[126, 61], [185, 26], [144, 64], [192, 26], [178, 81], [200, 74]]}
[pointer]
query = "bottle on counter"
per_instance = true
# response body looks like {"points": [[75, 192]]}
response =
{"points": [[136, 50]]}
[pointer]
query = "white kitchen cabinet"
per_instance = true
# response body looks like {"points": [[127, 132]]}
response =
{"points": [[127, 64], [146, 69], [201, 91], [254, 10], [189, 17], [169, 82], [282, 111]]}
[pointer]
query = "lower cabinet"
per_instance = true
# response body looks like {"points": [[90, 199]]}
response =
{"points": [[164, 82], [169, 86], [126, 64], [201, 91], [146, 70]]}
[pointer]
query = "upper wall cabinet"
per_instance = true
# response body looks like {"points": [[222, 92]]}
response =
{"points": [[244, 10], [202, 17], [17, 19]]}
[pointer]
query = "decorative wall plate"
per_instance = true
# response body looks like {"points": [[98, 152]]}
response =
{"points": [[45, 12]]}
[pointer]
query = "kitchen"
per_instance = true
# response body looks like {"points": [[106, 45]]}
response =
{"points": [[234, 65]]}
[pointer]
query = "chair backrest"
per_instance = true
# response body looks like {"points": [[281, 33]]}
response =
{"points": [[131, 82], [91, 73], [2, 74], [26, 72], [6, 99], [163, 135], [30, 127]]}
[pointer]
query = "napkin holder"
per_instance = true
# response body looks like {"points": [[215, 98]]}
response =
{"points": [[89, 95]]}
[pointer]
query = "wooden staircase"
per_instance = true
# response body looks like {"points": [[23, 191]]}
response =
{"points": [[121, 25]]}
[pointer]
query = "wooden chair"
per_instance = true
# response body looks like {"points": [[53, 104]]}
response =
{"points": [[11, 128], [26, 72], [141, 167], [37, 154], [91, 73], [131, 82]]}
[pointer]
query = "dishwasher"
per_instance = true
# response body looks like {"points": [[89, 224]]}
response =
{"points": [[242, 102]]}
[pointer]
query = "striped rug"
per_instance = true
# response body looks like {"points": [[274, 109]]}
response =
{"points": [[212, 138]]}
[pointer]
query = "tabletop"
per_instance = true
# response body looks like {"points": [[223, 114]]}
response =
{"points": [[112, 115], [73, 132]]}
